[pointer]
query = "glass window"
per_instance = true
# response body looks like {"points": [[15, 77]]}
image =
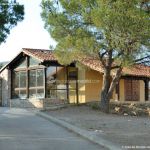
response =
{"points": [[73, 96], [40, 77], [72, 84], [16, 79], [51, 72], [72, 76], [36, 78], [51, 77], [51, 93], [32, 78], [22, 79], [36, 89], [15, 94], [32, 93], [23, 94], [61, 78], [62, 94], [40, 93], [22, 64], [33, 62], [36, 84], [19, 84], [72, 73], [36, 93], [56, 82]]}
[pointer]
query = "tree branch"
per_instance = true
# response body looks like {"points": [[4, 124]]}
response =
{"points": [[115, 67], [114, 81], [141, 59], [101, 58]]}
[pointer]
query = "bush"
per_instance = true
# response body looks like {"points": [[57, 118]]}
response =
{"points": [[127, 109], [130, 109]]}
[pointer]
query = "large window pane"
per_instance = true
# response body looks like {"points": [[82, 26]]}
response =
{"points": [[40, 77], [23, 79], [19, 85], [36, 89], [40, 93], [72, 76], [51, 77], [73, 96], [36, 84], [32, 80], [32, 93], [72, 84], [52, 93], [15, 94], [22, 64], [62, 94], [61, 78], [23, 94], [56, 82], [16, 79], [33, 62], [72, 73]]}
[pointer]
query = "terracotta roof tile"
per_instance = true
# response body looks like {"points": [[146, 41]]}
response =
{"points": [[40, 54], [93, 63], [137, 70]]}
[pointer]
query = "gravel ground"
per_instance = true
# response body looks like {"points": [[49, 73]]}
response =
{"points": [[122, 130]]}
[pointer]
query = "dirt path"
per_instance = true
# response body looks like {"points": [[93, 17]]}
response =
{"points": [[124, 130]]}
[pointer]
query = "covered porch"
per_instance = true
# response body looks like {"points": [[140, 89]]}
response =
{"points": [[133, 89]]}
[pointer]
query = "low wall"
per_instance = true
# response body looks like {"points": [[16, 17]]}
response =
{"points": [[35, 103], [53, 102], [26, 103]]}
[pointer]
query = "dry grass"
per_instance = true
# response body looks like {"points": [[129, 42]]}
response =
{"points": [[127, 109]]}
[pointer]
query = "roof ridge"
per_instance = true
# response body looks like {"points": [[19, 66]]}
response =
{"points": [[36, 49]]}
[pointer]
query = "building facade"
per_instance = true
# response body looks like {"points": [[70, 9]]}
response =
{"points": [[34, 78]]}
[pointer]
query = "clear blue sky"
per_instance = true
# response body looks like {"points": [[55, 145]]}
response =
{"points": [[29, 33]]}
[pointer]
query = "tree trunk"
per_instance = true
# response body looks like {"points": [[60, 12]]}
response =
{"points": [[104, 105], [107, 89], [104, 94]]}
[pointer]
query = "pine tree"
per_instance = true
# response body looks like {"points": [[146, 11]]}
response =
{"points": [[10, 13], [117, 32]]}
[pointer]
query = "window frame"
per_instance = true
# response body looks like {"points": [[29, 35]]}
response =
{"points": [[19, 89], [36, 88], [27, 69], [56, 89]]}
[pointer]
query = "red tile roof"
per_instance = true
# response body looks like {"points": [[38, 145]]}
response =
{"points": [[137, 70], [40, 54], [93, 63]]}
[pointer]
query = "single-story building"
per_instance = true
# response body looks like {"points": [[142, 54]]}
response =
{"points": [[35, 78]]}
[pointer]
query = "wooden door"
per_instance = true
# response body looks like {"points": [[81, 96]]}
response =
{"points": [[132, 92], [128, 90]]}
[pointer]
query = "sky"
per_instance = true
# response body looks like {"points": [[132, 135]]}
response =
{"points": [[29, 33]]}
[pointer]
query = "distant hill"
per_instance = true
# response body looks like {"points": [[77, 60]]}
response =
{"points": [[3, 64]]}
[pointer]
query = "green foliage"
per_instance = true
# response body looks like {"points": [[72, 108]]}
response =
{"points": [[96, 27], [10, 14]]}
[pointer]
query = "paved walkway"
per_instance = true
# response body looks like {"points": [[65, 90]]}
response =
{"points": [[21, 129]]}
